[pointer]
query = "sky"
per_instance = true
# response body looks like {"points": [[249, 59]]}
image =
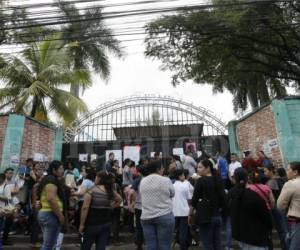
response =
{"points": [[135, 74]]}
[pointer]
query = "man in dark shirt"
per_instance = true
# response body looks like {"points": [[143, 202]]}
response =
{"points": [[109, 163]]}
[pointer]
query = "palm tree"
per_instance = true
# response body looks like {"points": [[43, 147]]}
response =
{"points": [[34, 82], [90, 40]]}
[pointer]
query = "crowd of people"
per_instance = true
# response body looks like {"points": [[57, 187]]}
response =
{"points": [[161, 201]]}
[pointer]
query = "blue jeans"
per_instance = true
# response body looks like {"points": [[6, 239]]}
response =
{"points": [[35, 227], [158, 232], [50, 227], [139, 229], [182, 228], [294, 236], [210, 234], [281, 225], [228, 232], [96, 234]]}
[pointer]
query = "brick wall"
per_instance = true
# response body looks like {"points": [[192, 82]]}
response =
{"points": [[37, 138], [3, 123], [256, 130]]}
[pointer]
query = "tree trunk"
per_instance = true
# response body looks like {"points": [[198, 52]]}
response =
{"points": [[74, 90], [34, 108], [252, 96], [263, 92]]}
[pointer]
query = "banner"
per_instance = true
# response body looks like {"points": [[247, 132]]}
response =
{"points": [[117, 153], [133, 153], [83, 157]]}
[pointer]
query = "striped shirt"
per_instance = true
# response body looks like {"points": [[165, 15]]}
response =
{"points": [[100, 208]]}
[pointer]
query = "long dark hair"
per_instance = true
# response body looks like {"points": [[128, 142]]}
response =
{"points": [[241, 179], [106, 179], [216, 178], [52, 179], [208, 164]]}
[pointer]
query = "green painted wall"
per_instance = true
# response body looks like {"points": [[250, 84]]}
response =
{"points": [[13, 141], [58, 141], [287, 118], [233, 142]]}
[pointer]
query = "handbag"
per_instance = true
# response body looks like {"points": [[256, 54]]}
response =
{"points": [[203, 209]]}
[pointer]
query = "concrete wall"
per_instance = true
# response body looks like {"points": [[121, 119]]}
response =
{"points": [[21, 137], [274, 128], [287, 116], [37, 138], [255, 131], [3, 124]]}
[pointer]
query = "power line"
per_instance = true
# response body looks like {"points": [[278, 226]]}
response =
{"points": [[219, 32], [128, 13], [127, 32]]}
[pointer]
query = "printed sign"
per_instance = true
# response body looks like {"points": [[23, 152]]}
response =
{"points": [[38, 157], [15, 160], [132, 152], [153, 153], [94, 157], [191, 146], [273, 143], [117, 153], [83, 157]]}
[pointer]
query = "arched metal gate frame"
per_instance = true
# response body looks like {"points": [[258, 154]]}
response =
{"points": [[138, 111]]}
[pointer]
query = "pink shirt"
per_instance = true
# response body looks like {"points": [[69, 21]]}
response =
{"points": [[263, 191]]}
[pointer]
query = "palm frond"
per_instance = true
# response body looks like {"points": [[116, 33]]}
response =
{"points": [[16, 72], [67, 105], [99, 61]]}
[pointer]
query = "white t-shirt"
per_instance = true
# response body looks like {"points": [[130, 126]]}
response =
{"points": [[4, 191], [233, 166], [190, 187], [180, 200]]}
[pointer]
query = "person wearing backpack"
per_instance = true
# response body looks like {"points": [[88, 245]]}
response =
{"points": [[209, 201]]}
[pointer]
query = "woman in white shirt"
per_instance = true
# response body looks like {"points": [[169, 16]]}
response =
{"points": [[181, 207], [157, 217], [5, 194]]}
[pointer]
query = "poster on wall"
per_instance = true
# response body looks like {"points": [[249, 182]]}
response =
{"points": [[273, 143], [15, 160], [199, 154], [178, 151], [94, 157], [268, 146], [191, 146], [38, 157], [132, 152], [153, 153], [117, 153], [83, 157]]}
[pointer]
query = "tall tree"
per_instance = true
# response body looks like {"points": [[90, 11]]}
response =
{"points": [[90, 40], [35, 81], [249, 48]]}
